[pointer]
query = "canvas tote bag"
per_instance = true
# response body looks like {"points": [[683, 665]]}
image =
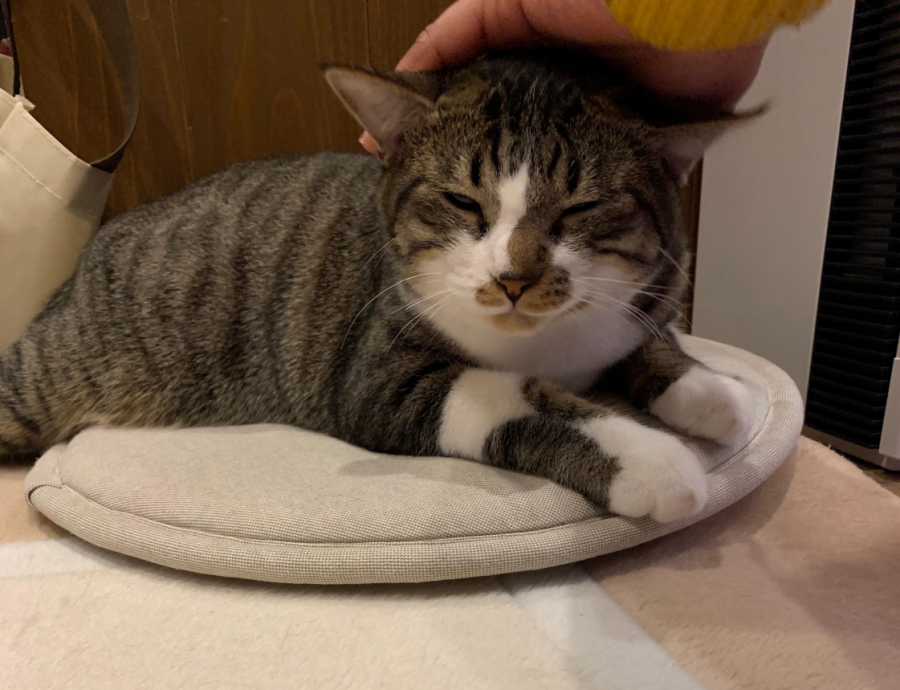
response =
{"points": [[50, 200]]}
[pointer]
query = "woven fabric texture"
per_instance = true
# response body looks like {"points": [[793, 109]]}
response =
{"points": [[285, 505], [708, 24]]}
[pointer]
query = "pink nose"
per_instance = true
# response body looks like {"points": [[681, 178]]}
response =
{"points": [[514, 285]]}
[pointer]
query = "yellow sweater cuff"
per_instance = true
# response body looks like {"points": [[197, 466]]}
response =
{"points": [[708, 24]]}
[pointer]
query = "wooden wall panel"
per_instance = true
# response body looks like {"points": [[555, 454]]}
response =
{"points": [[64, 73], [222, 81], [252, 78], [395, 24], [67, 74], [158, 159]]}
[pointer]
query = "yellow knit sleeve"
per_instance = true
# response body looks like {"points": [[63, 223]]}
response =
{"points": [[708, 24]]}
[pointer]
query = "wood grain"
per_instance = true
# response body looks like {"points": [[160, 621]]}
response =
{"points": [[158, 159], [395, 24], [253, 82], [67, 74], [222, 81], [64, 72]]}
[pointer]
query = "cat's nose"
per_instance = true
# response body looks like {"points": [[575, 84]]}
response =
{"points": [[514, 284]]}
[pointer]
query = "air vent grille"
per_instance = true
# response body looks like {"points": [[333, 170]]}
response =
{"points": [[858, 319]]}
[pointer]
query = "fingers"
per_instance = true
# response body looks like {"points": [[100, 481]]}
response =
{"points": [[583, 22], [711, 81], [469, 28], [368, 143], [453, 38]]}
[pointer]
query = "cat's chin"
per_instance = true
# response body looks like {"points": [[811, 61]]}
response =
{"points": [[515, 322]]}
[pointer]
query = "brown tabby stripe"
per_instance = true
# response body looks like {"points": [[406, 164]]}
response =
{"points": [[272, 291]]}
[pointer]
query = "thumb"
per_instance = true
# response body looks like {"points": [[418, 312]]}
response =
{"points": [[368, 143]]}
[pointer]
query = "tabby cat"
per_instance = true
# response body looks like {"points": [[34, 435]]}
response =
{"points": [[518, 239]]}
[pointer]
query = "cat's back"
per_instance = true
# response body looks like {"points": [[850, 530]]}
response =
{"points": [[212, 290], [208, 300], [248, 194], [242, 246], [237, 229]]}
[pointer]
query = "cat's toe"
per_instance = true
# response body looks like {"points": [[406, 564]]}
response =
{"points": [[705, 404], [659, 475]]}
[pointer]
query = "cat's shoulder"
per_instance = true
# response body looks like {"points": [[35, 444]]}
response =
{"points": [[236, 183], [292, 165]]}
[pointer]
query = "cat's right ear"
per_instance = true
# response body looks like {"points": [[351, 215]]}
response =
{"points": [[682, 146], [385, 107]]}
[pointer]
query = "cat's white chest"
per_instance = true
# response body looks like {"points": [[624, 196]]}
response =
{"points": [[572, 352]]}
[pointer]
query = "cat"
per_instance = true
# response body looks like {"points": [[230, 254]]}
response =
{"points": [[517, 242]]}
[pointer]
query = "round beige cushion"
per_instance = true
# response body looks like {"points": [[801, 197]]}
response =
{"points": [[286, 505]]}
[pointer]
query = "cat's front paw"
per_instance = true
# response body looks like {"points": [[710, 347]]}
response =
{"points": [[658, 476], [705, 404]]}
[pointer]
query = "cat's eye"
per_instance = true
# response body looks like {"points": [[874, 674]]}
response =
{"points": [[463, 202], [579, 208]]}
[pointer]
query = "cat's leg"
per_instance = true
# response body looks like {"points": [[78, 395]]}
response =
{"points": [[24, 410], [55, 381], [532, 426], [689, 397]]}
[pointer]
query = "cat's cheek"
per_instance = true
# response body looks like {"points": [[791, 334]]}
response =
{"points": [[464, 264], [567, 257]]}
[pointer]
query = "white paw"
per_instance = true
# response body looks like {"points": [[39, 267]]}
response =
{"points": [[707, 405], [659, 475]]}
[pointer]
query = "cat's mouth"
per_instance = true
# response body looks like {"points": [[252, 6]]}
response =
{"points": [[514, 321]]}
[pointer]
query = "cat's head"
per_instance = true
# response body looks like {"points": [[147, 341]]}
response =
{"points": [[525, 189]]}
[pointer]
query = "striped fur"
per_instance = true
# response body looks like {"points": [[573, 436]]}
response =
{"points": [[520, 236]]}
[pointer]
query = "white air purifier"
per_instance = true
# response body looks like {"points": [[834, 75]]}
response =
{"points": [[799, 237]]}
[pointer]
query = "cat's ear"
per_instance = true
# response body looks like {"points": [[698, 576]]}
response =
{"points": [[682, 146], [385, 105]]}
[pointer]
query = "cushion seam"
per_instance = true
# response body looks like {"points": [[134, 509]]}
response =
{"points": [[255, 540], [437, 540], [777, 400]]}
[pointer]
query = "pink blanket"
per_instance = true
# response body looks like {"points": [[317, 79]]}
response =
{"points": [[795, 587]]}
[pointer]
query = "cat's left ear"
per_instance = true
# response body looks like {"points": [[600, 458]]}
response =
{"points": [[385, 105], [682, 146]]}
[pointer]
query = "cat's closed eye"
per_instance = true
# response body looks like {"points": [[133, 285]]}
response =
{"points": [[556, 229], [463, 202], [579, 208]]}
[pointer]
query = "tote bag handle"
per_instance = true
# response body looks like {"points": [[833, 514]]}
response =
{"points": [[115, 28]]}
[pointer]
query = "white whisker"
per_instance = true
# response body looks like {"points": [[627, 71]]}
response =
{"points": [[640, 316], [421, 299], [417, 318], [382, 251], [615, 312], [437, 330], [670, 302], [399, 282], [643, 286], [677, 265]]}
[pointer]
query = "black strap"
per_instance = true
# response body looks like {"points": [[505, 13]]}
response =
{"points": [[7, 19], [115, 28]]}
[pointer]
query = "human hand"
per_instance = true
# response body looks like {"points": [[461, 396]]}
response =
{"points": [[711, 81]]}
